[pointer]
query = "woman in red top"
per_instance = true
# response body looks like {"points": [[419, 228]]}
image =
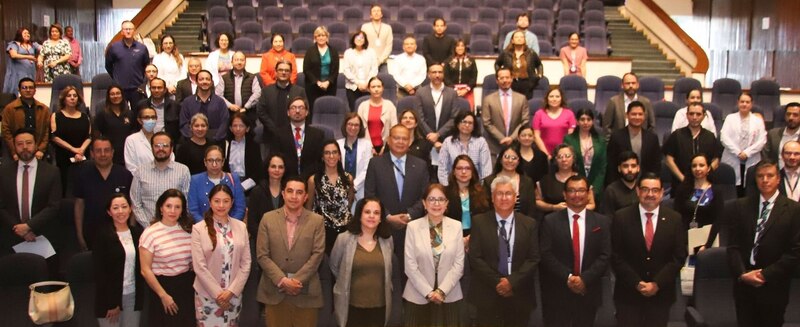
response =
{"points": [[379, 114], [277, 54]]}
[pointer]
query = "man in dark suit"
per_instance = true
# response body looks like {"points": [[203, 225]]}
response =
{"points": [[166, 109], [570, 274], [503, 255], [614, 117], [778, 136], [399, 181], [764, 249], [649, 248], [188, 86], [300, 144], [28, 210], [647, 147], [150, 73], [275, 98], [435, 104]]}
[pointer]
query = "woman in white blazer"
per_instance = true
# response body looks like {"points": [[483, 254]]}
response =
{"points": [[356, 263], [221, 262], [743, 135], [379, 114], [434, 264], [355, 140]]}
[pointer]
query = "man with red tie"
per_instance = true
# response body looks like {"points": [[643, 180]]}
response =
{"points": [[300, 144], [648, 250], [575, 248]]}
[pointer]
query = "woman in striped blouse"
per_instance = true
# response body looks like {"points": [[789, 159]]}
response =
{"points": [[165, 252]]}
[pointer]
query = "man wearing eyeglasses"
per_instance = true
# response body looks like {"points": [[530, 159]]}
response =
{"points": [[275, 98], [648, 250], [138, 149], [152, 179], [26, 112], [300, 144], [503, 254], [576, 249]]}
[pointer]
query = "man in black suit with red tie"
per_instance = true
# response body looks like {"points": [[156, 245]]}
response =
{"points": [[649, 248], [300, 144], [575, 247], [764, 249], [503, 255]]}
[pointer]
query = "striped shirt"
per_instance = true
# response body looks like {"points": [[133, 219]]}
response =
{"points": [[150, 182], [171, 248], [477, 149]]}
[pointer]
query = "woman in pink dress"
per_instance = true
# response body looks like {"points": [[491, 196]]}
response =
{"points": [[552, 122], [574, 56]]}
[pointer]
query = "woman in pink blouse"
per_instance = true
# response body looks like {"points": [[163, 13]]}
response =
{"points": [[553, 122], [574, 56]]}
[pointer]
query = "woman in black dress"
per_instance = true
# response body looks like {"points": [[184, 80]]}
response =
{"points": [[550, 190], [192, 151], [115, 121], [533, 161], [698, 200], [70, 131]]}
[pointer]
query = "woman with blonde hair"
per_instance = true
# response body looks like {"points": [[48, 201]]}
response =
{"points": [[321, 67]]}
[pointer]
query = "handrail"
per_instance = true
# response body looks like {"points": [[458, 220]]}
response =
{"points": [[702, 59], [137, 20]]}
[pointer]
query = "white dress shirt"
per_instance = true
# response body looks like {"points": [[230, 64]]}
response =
{"points": [[680, 121], [643, 218]]}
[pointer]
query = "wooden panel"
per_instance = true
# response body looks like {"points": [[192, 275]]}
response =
{"points": [[700, 24], [787, 25], [760, 38], [718, 67], [749, 65], [787, 77], [730, 24]]}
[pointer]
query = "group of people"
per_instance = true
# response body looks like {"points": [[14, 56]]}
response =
{"points": [[177, 195]]}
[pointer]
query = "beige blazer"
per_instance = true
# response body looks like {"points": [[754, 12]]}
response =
{"points": [[419, 261], [302, 260], [492, 114], [388, 117], [342, 268], [207, 263]]}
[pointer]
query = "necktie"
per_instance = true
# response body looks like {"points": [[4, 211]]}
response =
{"points": [[503, 245], [298, 137], [762, 221], [399, 176], [506, 111], [576, 246], [25, 213], [648, 230]]}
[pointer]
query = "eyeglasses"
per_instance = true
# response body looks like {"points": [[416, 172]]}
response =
{"points": [[647, 190], [576, 190], [353, 125], [161, 145], [215, 161], [434, 200], [510, 157], [564, 156]]}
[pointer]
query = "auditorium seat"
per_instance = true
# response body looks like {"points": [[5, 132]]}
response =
{"points": [[578, 104], [461, 16], [432, 13], [329, 111], [389, 87], [353, 17], [244, 44], [315, 5], [594, 18], [267, 3], [100, 85], [543, 4], [407, 15], [270, 16], [297, 16], [61, 82], [542, 17], [568, 17], [542, 32], [652, 88], [593, 5], [327, 15], [607, 86], [489, 85], [455, 30], [682, 87], [595, 41], [510, 16], [339, 44], [481, 47], [307, 29], [481, 31], [422, 29], [725, 94], [574, 87], [541, 89], [301, 44], [665, 114], [215, 3], [252, 30], [766, 96], [339, 30], [243, 15], [17, 271], [713, 291], [568, 5]]}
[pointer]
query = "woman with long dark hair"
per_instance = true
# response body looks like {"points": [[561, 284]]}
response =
{"points": [[220, 61], [115, 121], [461, 72], [361, 262], [467, 140], [533, 161], [115, 259], [266, 196], [360, 63], [508, 164], [525, 65], [221, 261], [165, 255], [590, 151], [552, 122], [331, 193], [466, 195], [698, 200], [21, 60], [550, 190], [378, 114]]}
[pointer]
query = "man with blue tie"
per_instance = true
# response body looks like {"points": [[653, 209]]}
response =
{"points": [[398, 180], [503, 254], [576, 249], [764, 249]]}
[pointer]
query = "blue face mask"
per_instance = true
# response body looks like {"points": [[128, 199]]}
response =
{"points": [[149, 125]]}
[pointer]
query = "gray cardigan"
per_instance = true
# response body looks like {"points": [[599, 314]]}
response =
{"points": [[341, 261]]}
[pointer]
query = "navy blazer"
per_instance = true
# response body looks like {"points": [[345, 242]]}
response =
{"points": [[380, 182], [424, 104]]}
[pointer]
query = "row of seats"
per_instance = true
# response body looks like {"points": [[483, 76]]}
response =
{"points": [[470, 4]]}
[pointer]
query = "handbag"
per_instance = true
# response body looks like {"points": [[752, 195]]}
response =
{"points": [[687, 279], [56, 306]]}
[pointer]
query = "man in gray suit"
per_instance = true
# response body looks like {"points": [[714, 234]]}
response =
{"points": [[614, 117], [289, 249], [504, 112], [435, 104], [778, 136]]}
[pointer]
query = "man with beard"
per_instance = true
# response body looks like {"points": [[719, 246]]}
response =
{"points": [[635, 138], [272, 104], [138, 149], [166, 108], [26, 112], [622, 192], [150, 180], [300, 144], [523, 21], [778, 136], [206, 102], [688, 141], [649, 249], [437, 47], [614, 117], [99, 179], [239, 88]]}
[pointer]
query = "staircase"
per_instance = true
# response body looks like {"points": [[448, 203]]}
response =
{"points": [[187, 27], [648, 60]]}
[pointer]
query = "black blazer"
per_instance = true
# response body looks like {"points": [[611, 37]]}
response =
{"points": [[454, 205], [108, 259], [527, 191], [620, 141], [311, 155], [631, 261], [253, 166], [557, 256], [381, 183], [44, 202], [183, 89], [312, 66], [705, 215], [258, 203], [779, 249], [269, 114], [424, 104], [171, 117], [483, 259]]}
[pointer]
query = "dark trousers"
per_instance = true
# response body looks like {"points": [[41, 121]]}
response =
{"points": [[182, 292], [523, 86], [761, 306], [576, 312], [502, 314], [643, 313], [133, 97], [352, 96], [366, 317]]}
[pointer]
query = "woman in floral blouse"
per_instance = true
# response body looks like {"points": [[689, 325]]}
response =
{"points": [[55, 55], [331, 193]]}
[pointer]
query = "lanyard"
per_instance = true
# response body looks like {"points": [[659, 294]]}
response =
{"points": [[507, 238]]}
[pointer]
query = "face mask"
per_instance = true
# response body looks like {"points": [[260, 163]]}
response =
{"points": [[149, 125]]}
